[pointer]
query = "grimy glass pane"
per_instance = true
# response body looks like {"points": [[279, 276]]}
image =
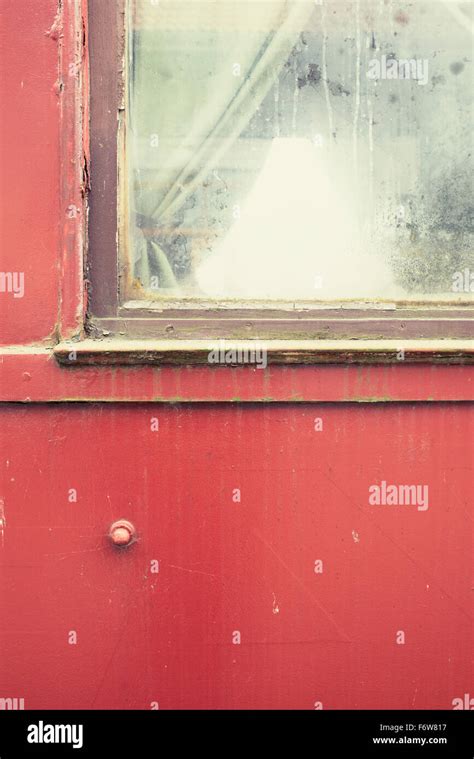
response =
{"points": [[296, 150]]}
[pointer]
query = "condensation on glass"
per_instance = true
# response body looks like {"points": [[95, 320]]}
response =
{"points": [[299, 151]]}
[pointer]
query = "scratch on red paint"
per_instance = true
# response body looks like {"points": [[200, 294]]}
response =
{"points": [[3, 521], [303, 586]]}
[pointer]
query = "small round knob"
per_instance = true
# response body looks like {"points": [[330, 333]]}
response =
{"points": [[122, 533]]}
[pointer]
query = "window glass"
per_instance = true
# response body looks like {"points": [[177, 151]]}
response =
{"points": [[296, 150]]}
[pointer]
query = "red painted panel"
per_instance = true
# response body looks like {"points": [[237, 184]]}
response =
{"points": [[29, 167], [227, 566], [36, 376]]}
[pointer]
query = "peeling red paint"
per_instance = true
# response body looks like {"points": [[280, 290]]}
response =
{"points": [[55, 31], [74, 157]]}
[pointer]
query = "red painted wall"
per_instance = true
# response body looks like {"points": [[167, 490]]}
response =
{"points": [[227, 566], [29, 167], [224, 565]]}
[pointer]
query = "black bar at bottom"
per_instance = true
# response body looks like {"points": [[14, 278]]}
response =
{"points": [[143, 734]]}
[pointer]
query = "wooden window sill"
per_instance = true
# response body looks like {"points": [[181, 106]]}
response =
{"points": [[110, 352]]}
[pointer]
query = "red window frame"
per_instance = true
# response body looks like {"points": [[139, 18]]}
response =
{"points": [[429, 331]]}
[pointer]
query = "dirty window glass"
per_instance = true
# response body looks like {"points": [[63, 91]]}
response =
{"points": [[297, 150]]}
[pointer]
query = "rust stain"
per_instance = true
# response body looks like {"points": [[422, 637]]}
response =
{"points": [[401, 18]]}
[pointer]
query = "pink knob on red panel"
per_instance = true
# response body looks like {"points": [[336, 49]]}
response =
{"points": [[122, 533]]}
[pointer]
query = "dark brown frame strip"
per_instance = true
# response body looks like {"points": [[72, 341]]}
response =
{"points": [[106, 44]]}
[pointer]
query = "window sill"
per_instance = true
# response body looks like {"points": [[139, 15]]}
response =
{"points": [[114, 352]]}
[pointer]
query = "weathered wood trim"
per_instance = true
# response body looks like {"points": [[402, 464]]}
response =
{"points": [[298, 325], [106, 46], [108, 352]]}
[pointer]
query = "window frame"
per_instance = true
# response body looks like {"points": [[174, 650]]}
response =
{"points": [[306, 333]]}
